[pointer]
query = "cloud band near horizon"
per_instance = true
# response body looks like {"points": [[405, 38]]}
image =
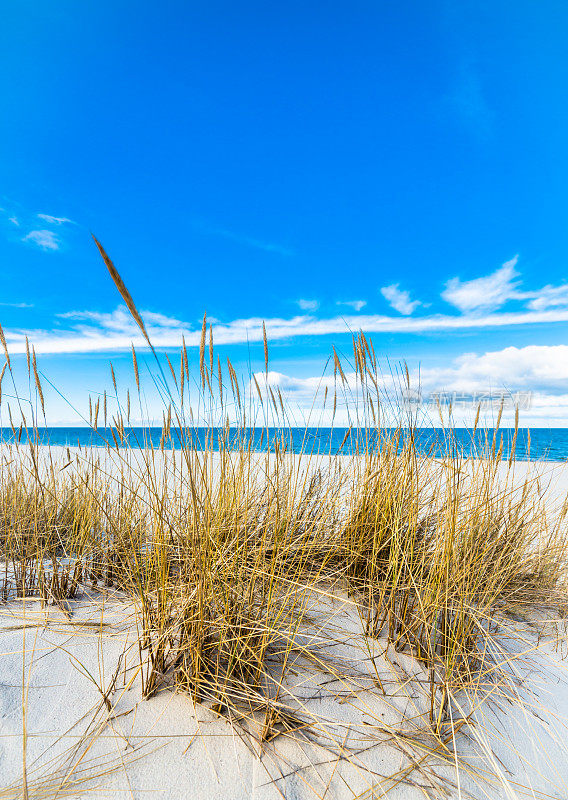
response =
{"points": [[91, 332]]}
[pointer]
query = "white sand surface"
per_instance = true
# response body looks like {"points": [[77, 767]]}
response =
{"points": [[164, 747]]}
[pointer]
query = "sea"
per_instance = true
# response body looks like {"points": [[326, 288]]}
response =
{"points": [[545, 444]]}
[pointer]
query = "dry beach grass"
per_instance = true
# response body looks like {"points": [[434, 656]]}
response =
{"points": [[319, 607]]}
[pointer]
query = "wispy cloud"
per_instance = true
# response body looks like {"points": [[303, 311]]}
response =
{"points": [[548, 297], [55, 220], [17, 305], [308, 305], [399, 299], [356, 305], [247, 241], [28, 226], [44, 239], [120, 321], [89, 331], [485, 293], [491, 292]]}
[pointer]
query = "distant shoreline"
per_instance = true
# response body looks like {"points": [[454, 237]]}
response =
{"points": [[530, 444]]}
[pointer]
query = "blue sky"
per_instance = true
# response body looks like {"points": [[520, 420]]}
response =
{"points": [[399, 168]]}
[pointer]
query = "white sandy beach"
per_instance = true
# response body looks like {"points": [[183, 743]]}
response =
{"points": [[164, 747]]}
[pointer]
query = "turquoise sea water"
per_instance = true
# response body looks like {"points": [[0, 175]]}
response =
{"points": [[549, 444]]}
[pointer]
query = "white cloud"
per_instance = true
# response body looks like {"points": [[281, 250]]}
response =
{"points": [[356, 305], [308, 305], [484, 294], [541, 370], [17, 305], [399, 299], [491, 292], [548, 297], [533, 366], [120, 321], [47, 240], [290, 383], [15, 221], [89, 331], [55, 220]]}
